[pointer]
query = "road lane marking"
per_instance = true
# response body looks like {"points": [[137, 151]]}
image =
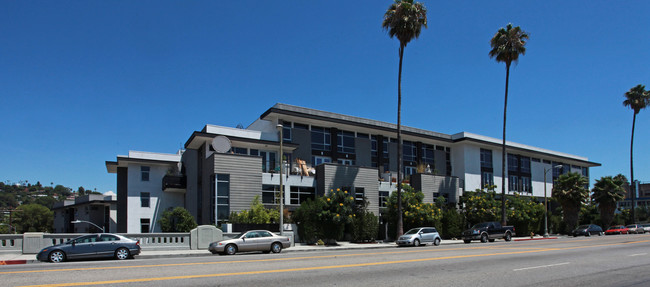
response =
{"points": [[542, 266], [315, 257], [638, 254], [152, 279]]}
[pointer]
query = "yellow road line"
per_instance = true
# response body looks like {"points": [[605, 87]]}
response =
{"points": [[321, 267]]}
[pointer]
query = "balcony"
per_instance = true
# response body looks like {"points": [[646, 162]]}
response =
{"points": [[174, 183]]}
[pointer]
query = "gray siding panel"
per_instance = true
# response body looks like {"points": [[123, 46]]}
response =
{"points": [[430, 184], [332, 176], [303, 139], [245, 178], [189, 161], [362, 149]]}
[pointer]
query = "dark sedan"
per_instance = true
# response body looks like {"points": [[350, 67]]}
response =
{"points": [[587, 230], [103, 245]]}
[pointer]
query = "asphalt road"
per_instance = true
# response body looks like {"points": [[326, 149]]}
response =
{"points": [[621, 260]]}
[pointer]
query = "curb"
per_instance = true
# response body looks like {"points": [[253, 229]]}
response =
{"points": [[12, 262], [529, 239]]}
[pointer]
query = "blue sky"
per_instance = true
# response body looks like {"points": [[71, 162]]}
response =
{"points": [[84, 81]]}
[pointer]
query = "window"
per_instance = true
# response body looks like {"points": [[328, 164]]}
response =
{"points": [[269, 193], [286, 131], [300, 194], [362, 135], [513, 183], [145, 224], [486, 158], [320, 138], [223, 197], [373, 146], [268, 161], [513, 162], [316, 160], [487, 179], [359, 194], [525, 164], [108, 237], [409, 170], [345, 161], [239, 150], [345, 141], [383, 198], [428, 155], [410, 151], [144, 173], [525, 185], [145, 198], [385, 148], [300, 126]]}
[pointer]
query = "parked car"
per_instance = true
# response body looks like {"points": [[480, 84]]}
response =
{"points": [[635, 228], [488, 231], [616, 229], [587, 230], [646, 227], [254, 240], [102, 245], [419, 235]]}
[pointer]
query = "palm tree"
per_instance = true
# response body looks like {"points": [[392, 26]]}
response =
{"points": [[570, 191], [404, 19], [507, 44], [607, 192], [637, 99]]}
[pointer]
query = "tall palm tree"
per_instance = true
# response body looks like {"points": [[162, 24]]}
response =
{"points": [[637, 99], [404, 19], [507, 44], [607, 192], [570, 191]]}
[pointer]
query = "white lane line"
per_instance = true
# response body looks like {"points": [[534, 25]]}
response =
{"points": [[543, 266], [640, 254]]}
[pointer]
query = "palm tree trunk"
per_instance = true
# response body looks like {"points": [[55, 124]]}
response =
{"points": [[400, 225], [632, 186], [503, 152]]}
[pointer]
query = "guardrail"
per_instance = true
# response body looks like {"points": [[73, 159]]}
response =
{"points": [[11, 242]]}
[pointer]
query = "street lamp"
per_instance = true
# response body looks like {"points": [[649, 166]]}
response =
{"points": [[83, 221], [546, 202], [280, 129]]}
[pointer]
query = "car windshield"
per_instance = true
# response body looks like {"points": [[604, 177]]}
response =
{"points": [[239, 235], [631, 226], [412, 231], [583, 227], [480, 225]]}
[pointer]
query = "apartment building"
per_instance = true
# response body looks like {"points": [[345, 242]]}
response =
{"points": [[222, 169]]}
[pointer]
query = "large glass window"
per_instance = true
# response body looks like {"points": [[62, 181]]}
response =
{"points": [[240, 150], [144, 173], [301, 194], [268, 161], [345, 161], [525, 164], [223, 197], [383, 198], [513, 183], [345, 142], [359, 194], [487, 179], [410, 151], [526, 185], [269, 193], [145, 225], [385, 147], [373, 146], [486, 158], [428, 155], [513, 162], [320, 138], [286, 131], [316, 160]]}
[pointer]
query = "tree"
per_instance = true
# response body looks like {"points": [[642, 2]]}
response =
{"points": [[571, 192], [404, 19], [507, 44], [637, 99], [177, 220], [33, 218], [416, 212], [607, 192]]}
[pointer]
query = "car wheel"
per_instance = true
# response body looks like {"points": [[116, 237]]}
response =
{"points": [[491, 240], [57, 256], [588, 234], [416, 242], [436, 241], [508, 236], [484, 238], [600, 233], [276, 247], [122, 253], [231, 249], [466, 241]]}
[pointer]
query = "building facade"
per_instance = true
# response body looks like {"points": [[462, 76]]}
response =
{"points": [[100, 209], [221, 169]]}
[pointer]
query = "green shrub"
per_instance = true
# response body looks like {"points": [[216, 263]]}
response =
{"points": [[258, 214], [177, 220]]}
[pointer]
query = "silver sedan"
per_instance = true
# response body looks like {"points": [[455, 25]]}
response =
{"points": [[254, 240]]}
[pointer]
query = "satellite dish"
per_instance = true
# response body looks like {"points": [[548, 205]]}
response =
{"points": [[221, 144]]}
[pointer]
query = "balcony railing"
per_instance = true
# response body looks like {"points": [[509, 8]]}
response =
{"points": [[174, 183]]}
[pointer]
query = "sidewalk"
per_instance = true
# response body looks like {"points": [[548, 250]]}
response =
{"points": [[8, 258]]}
